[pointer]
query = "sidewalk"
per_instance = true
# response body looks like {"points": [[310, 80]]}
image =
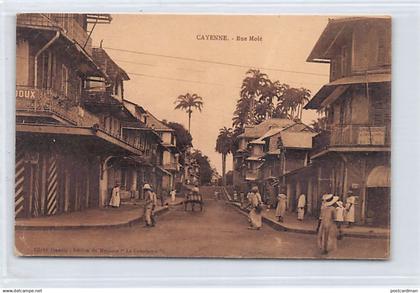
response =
{"points": [[308, 226], [127, 214]]}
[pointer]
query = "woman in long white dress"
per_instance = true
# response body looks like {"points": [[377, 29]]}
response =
{"points": [[281, 206], [255, 216], [327, 234], [115, 200], [301, 207], [350, 212]]}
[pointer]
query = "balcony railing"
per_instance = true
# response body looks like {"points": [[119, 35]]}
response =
{"points": [[252, 174], [65, 22], [171, 166], [45, 101], [351, 135]]}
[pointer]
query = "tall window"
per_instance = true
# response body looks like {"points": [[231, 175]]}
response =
{"points": [[64, 79]]}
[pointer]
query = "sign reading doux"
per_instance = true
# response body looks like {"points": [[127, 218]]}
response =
{"points": [[26, 93]]}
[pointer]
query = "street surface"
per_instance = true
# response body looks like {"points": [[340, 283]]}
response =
{"points": [[218, 231]]}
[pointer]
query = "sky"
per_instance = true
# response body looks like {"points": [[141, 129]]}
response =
{"points": [[141, 44]]}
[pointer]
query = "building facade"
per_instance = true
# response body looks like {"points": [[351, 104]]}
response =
{"points": [[353, 152], [75, 137]]}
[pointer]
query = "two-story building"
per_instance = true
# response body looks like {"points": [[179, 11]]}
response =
{"points": [[247, 168], [168, 159], [281, 147], [63, 148], [353, 153]]}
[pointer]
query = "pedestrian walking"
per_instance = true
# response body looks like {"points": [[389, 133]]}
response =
{"points": [[339, 219], [235, 195], [255, 215], [301, 207], [281, 207], [327, 234], [350, 212], [173, 195], [115, 200], [149, 207], [323, 197], [216, 194], [242, 198], [162, 197]]}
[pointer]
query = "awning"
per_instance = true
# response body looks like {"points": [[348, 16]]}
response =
{"points": [[331, 91], [380, 176], [337, 92]]}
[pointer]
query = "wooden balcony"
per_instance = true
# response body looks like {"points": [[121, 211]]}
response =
{"points": [[61, 21], [171, 166], [252, 174], [351, 136]]}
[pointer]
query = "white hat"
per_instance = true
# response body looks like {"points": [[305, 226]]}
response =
{"points": [[147, 186], [327, 196], [331, 201], [254, 189], [195, 189]]}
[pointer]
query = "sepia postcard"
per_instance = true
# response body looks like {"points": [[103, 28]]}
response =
{"points": [[203, 136]]}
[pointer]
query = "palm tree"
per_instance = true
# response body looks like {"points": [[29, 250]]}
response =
{"points": [[224, 146], [188, 102]]}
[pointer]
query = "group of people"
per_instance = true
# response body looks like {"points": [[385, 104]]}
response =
{"points": [[333, 214], [151, 201]]}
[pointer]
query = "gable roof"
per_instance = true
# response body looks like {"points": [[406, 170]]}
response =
{"points": [[260, 129], [156, 124], [101, 57], [333, 29]]}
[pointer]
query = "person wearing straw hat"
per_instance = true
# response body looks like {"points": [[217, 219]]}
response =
{"points": [[150, 205], [350, 212], [255, 215], [323, 197], [327, 234]]}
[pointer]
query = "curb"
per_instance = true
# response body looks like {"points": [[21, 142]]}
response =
{"points": [[279, 227], [128, 223]]}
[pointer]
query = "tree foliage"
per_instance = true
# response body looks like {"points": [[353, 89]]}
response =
{"points": [[183, 137], [188, 102], [261, 99], [206, 171], [224, 144]]}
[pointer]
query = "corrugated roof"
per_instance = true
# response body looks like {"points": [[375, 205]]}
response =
{"points": [[259, 130], [301, 140]]}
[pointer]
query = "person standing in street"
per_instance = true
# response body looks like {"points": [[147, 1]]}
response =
{"points": [[301, 207], [115, 200], [173, 195], [255, 215], [149, 207], [350, 212], [327, 234], [281, 207], [339, 218]]}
